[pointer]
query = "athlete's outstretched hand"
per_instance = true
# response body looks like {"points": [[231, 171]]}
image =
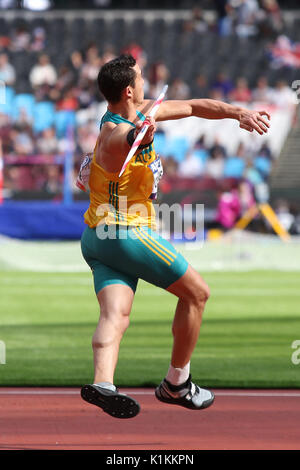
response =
{"points": [[253, 120], [149, 136]]}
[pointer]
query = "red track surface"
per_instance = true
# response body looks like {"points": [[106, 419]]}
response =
{"points": [[39, 418]]}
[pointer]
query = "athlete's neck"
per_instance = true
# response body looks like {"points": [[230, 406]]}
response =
{"points": [[127, 109]]}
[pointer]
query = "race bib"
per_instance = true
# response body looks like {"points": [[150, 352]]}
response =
{"points": [[157, 170], [82, 181]]}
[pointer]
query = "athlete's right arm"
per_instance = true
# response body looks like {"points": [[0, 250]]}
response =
{"points": [[114, 139]]}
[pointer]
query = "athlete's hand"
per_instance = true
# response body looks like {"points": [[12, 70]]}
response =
{"points": [[253, 120], [149, 136]]}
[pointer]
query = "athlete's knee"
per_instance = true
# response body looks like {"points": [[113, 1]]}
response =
{"points": [[118, 317], [205, 291], [124, 320], [199, 293], [111, 327]]}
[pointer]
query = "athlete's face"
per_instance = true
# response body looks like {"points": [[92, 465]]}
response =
{"points": [[138, 90]]}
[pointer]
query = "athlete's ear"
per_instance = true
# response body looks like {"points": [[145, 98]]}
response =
{"points": [[128, 92]]}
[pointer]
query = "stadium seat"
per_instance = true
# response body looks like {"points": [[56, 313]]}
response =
{"points": [[160, 143], [263, 165], [6, 100], [62, 121], [23, 101], [177, 147], [44, 114], [234, 167]]}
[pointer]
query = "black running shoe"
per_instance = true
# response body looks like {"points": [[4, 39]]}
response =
{"points": [[188, 395], [112, 402]]}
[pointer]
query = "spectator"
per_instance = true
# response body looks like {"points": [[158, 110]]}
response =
{"points": [[229, 209], [246, 196], [108, 54], [65, 78], [86, 96], [90, 68], [262, 165], [266, 151], [22, 142], [179, 90], [200, 149], [242, 92], [197, 22], [225, 17], [5, 43], [43, 73], [262, 92], [20, 39], [217, 94], [218, 146], [283, 96], [5, 4], [170, 166], [86, 137], [214, 167], [235, 164], [76, 63], [191, 166], [138, 53], [53, 183], [271, 20], [253, 176], [223, 83], [157, 76], [68, 101], [246, 17], [201, 89], [47, 143], [7, 71], [39, 39], [23, 120], [263, 162]]}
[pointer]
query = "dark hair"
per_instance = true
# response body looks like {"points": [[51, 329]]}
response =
{"points": [[115, 76]]}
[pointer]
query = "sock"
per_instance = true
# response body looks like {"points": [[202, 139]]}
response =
{"points": [[177, 375], [107, 385]]}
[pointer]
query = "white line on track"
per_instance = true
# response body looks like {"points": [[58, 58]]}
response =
{"points": [[224, 393]]}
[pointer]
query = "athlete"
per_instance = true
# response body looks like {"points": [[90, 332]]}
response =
{"points": [[120, 243]]}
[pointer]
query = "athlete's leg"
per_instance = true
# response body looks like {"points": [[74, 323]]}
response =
{"points": [[193, 293], [115, 302], [177, 388]]}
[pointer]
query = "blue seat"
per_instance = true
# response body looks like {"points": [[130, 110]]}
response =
{"points": [[43, 115], [63, 120], [24, 101], [263, 165], [6, 100], [177, 148], [234, 167], [160, 143]]}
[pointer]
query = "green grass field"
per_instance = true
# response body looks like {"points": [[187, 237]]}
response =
{"points": [[251, 320]]}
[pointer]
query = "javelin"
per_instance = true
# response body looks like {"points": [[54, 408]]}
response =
{"points": [[143, 131]]}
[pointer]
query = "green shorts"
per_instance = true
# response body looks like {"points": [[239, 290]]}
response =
{"points": [[123, 255]]}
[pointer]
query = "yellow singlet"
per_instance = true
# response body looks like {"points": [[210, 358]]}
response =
{"points": [[126, 200]]}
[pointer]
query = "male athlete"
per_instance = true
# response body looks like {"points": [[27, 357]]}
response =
{"points": [[133, 250]]}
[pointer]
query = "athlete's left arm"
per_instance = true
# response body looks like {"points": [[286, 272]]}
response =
{"points": [[212, 109]]}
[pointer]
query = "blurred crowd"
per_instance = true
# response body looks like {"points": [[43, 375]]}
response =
{"points": [[72, 87], [249, 17]]}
